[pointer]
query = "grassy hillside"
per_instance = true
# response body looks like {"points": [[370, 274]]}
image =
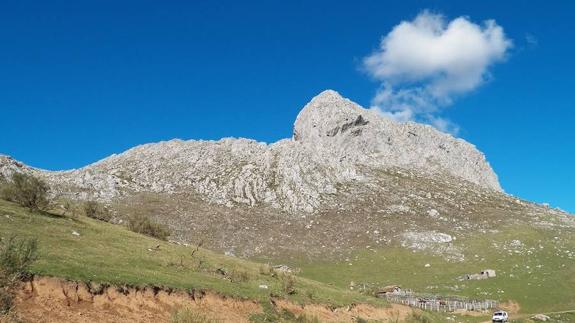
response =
{"points": [[538, 273], [108, 253]]}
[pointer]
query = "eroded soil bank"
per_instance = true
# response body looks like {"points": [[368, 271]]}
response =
{"points": [[49, 299]]}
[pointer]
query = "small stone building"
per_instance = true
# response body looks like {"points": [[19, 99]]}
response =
{"points": [[388, 290], [484, 274], [488, 272]]}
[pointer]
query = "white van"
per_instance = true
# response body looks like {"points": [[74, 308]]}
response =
{"points": [[500, 316]]}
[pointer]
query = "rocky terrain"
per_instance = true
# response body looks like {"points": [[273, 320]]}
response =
{"points": [[335, 142], [348, 179]]}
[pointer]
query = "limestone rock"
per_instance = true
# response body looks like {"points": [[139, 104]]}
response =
{"points": [[541, 317], [335, 141]]}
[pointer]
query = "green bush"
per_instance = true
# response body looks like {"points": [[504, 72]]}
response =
{"points": [[287, 316], [94, 210], [288, 283], [6, 301], [187, 315], [16, 256], [307, 319], [268, 270], [26, 190], [419, 317], [144, 225], [271, 315], [68, 207], [239, 276]]}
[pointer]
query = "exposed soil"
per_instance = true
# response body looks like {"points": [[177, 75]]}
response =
{"points": [[46, 299], [511, 307], [51, 300], [394, 313]]}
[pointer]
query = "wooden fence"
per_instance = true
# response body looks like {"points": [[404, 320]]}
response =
{"points": [[440, 303]]}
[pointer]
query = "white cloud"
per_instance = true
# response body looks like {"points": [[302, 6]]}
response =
{"points": [[425, 63]]}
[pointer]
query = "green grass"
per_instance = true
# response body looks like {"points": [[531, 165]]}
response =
{"points": [[541, 281], [108, 253], [563, 317]]}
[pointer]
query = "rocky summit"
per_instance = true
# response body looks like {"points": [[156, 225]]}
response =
{"points": [[335, 142]]}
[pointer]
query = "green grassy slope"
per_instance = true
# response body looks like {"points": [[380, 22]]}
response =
{"points": [[111, 254], [539, 274]]}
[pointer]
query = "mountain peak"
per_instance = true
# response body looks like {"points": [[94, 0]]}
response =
{"points": [[322, 114], [328, 95]]}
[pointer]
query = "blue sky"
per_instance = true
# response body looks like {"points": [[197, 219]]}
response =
{"points": [[82, 80]]}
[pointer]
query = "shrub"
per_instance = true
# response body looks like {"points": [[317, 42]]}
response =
{"points": [[310, 294], [187, 315], [94, 210], [144, 225], [16, 256], [6, 301], [239, 276], [419, 317], [288, 283], [11, 317], [26, 190], [268, 270], [270, 315], [69, 207], [306, 319]]}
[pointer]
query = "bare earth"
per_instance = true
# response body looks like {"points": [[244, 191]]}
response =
{"points": [[51, 300]]}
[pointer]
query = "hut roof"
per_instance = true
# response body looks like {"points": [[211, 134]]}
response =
{"points": [[388, 289]]}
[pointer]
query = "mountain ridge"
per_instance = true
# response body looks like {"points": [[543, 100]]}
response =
{"points": [[334, 141]]}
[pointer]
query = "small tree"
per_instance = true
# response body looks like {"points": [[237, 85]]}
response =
{"points": [[144, 225], [91, 209], [69, 208], [16, 256], [288, 283], [27, 190], [187, 315], [3, 187], [94, 210]]}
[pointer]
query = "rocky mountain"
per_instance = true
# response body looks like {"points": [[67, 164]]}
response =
{"points": [[335, 143], [351, 198]]}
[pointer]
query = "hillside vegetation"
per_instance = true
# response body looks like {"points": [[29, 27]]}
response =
{"points": [[538, 274], [382, 239], [84, 249]]}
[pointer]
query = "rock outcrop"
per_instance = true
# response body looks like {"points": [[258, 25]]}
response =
{"points": [[335, 141], [344, 130]]}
